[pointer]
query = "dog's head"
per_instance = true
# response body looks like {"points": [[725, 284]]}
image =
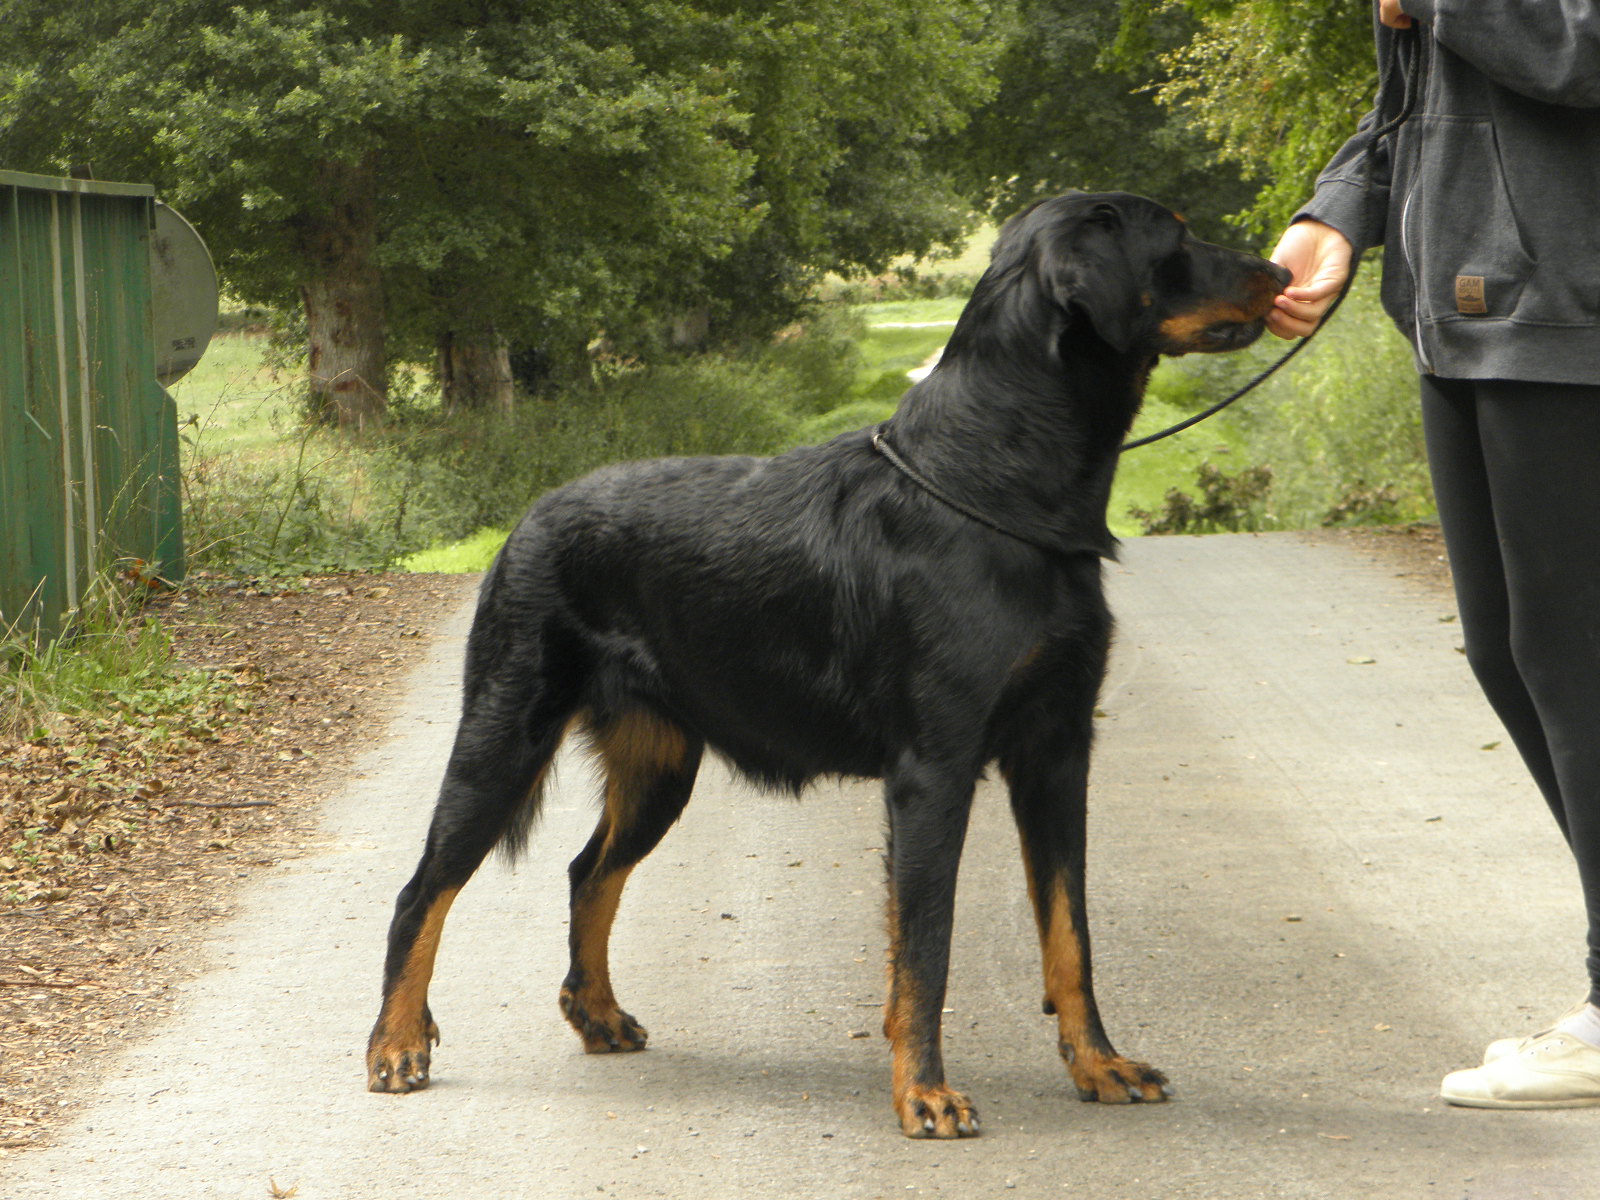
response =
{"points": [[1130, 271]]}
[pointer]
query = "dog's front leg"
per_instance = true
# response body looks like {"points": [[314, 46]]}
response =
{"points": [[928, 809], [1049, 801]]}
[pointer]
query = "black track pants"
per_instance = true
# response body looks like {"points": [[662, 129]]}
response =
{"points": [[1516, 469]]}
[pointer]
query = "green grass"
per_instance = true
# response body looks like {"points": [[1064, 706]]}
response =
{"points": [[915, 312], [900, 350], [112, 657], [233, 402], [457, 558], [970, 260]]}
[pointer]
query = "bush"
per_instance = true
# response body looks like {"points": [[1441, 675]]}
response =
{"points": [[906, 284], [1230, 503], [1345, 414], [820, 359], [314, 511], [456, 477]]}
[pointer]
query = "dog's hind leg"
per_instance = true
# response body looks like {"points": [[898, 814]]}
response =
{"points": [[513, 722], [650, 766], [928, 808], [1048, 779]]}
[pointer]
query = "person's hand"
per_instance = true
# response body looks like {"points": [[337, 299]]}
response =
{"points": [[1389, 13], [1318, 258]]}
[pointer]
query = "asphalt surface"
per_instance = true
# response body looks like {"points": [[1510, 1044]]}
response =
{"points": [[1313, 891]]}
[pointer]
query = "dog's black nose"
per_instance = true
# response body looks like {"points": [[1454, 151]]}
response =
{"points": [[1281, 274]]}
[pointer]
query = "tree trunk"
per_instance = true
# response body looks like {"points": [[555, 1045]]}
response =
{"points": [[475, 371], [691, 329], [344, 300]]}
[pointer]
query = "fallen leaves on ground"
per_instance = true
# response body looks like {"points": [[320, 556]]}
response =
{"points": [[124, 836]]}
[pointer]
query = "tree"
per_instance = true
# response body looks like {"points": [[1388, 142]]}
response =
{"points": [[343, 155], [450, 179], [847, 106], [1277, 85], [1075, 109]]}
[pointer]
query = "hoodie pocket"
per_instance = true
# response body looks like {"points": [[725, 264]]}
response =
{"points": [[1461, 234]]}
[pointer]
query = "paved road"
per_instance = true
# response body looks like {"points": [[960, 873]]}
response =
{"points": [[1313, 892]]}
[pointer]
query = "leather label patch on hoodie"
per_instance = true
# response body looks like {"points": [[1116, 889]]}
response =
{"points": [[1470, 297]]}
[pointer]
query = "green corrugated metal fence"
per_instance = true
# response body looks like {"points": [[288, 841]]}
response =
{"points": [[88, 438]]}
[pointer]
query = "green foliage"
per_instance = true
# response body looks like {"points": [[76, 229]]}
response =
{"points": [[1346, 424], [858, 414], [557, 163], [310, 510], [1228, 503], [849, 106], [110, 658], [820, 359], [1277, 85], [1075, 111], [469, 473], [1145, 475], [551, 172], [900, 284]]}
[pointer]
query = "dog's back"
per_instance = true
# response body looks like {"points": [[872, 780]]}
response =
{"points": [[787, 609]]}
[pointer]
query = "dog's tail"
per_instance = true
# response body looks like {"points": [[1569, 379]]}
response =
{"points": [[520, 697]]}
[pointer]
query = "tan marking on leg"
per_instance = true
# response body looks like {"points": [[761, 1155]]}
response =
{"points": [[1063, 967], [397, 1055], [926, 1110], [891, 920], [636, 747], [591, 1008], [1098, 1071], [592, 917], [897, 1020]]}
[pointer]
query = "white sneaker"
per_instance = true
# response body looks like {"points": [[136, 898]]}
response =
{"points": [[1505, 1046], [1553, 1070]]}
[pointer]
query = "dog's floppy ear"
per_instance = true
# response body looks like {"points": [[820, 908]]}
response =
{"points": [[1091, 274]]}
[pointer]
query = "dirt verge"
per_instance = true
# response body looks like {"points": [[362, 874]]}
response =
{"points": [[122, 839]]}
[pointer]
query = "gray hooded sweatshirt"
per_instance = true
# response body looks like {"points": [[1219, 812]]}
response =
{"points": [[1488, 198]]}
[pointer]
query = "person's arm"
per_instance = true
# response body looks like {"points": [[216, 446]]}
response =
{"points": [[1546, 50]]}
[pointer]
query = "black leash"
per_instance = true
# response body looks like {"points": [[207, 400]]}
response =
{"points": [[1406, 42], [1249, 387]]}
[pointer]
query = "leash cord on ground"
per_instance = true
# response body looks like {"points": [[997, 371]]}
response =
{"points": [[1405, 42]]}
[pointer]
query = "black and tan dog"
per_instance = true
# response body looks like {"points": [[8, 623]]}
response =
{"points": [[910, 604]]}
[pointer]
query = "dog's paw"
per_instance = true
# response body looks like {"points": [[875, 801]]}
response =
{"points": [[398, 1063], [604, 1030], [936, 1112], [1112, 1079]]}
